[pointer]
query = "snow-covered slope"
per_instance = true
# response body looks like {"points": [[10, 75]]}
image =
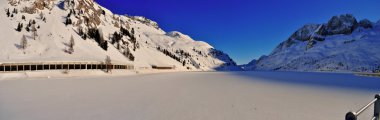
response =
{"points": [[342, 45], [98, 33]]}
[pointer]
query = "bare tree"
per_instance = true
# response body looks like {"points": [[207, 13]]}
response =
{"points": [[108, 64], [34, 31], [72, 42], [71, 45], [41, 15], [23, 42]]}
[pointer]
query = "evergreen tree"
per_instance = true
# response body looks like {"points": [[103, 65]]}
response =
{"points": [[68, 21], [27, 29], [105, 45], [84, 36], [133, 31], [97, 34], [8, 13], [102, 42], [116, 38], [23, 17], [124, 32], [127, 53], [14, 11], [19, 27], [103, 12]]}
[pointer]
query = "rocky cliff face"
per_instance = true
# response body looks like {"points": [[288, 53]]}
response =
{"points": [[341, 44]]}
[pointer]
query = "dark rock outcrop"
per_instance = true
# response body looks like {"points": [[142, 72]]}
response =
{"points": [[365, 23], [305, 33], [314, 33], [343, 24]]}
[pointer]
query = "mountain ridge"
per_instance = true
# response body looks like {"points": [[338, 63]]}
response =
{"points": [[98, 33], [343, 44]]}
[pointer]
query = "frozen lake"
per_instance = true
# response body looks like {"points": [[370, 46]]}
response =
{"points": [[189, 96]]}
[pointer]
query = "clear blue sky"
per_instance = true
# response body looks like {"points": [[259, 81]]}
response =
{"points": [[244, 29]]}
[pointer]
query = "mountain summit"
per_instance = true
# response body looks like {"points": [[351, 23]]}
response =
{"points": [[342, 44], [46, 30]]}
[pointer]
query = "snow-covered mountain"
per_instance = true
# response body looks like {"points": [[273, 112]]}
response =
{"points": [[49, 25], [342, 45]]}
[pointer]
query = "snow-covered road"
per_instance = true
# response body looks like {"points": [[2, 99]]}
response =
{"points": [[189, 96]]}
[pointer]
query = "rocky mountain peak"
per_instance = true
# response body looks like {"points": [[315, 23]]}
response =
{"points": [[313, 33], [341, 44], [343, 24], [305, 33]]}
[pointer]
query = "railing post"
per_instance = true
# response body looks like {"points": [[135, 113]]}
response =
{"points": [[377, 107]]}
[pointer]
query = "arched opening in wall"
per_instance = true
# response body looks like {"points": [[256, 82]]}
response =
{"points": [[33, 67], [76, 66], [83, 66], [13, 68], [93, 67], [7, 68], [27, 67], [59, 66], [53, 67], [46, 67], [71, 67], [20, 68], [65, 66], [89, 66], [40, 67]]}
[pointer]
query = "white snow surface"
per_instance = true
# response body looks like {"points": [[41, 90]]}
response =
{"points": [[189, 96], [54, 34]]}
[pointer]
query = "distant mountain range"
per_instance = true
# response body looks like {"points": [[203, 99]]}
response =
{"points": [[343, 44], [42, 30]]}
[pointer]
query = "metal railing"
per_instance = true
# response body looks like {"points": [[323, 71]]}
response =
{"points": [[375, 102]]}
